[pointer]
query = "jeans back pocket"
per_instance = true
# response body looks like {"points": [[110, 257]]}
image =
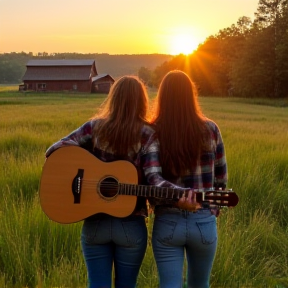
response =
{"points": [[208, 231]]}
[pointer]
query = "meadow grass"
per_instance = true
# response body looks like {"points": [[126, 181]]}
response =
{"points": [[253, 237]]}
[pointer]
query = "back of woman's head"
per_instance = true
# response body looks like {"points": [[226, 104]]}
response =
{"points": [[177, 97], [127, 100], [123, 115], [180, 123]]}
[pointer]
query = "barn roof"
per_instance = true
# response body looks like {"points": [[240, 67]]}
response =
{"points": [[45, 70], [100, 76], [60, 62]]}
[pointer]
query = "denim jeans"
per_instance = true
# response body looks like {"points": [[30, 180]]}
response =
{"points": [[107, 240], [177, 232]]}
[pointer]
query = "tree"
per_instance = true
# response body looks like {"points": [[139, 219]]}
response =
{"points": [[145, 75], [12, 67], [271, 13], [252, 71], [179, 62], [211, 64]]}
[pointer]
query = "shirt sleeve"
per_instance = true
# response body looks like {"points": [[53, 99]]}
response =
{"points": [[79, 137], [153, 171]]}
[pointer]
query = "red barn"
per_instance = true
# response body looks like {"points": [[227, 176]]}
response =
{"points": [[102, 83], [60, 75]]}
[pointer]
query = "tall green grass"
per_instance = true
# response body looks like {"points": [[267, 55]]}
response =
{"points": [[253, 237]]}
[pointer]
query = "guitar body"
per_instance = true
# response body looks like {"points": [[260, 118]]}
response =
{"points": [[65, 199], [75, 185]]}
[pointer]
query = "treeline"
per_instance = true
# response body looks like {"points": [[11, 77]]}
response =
{"points": [[248, 59], [13, 65]]}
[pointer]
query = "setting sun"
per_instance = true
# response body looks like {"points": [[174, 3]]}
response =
{"points": [[183, 44]]}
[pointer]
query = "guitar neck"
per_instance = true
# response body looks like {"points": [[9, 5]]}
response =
{"points": [[151, 191], [216, 197]]}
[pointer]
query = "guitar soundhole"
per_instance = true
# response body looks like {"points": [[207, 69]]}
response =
{"points": [[108, 187]]}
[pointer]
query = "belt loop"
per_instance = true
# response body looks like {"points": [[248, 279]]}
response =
{"points": [[185, 214]]}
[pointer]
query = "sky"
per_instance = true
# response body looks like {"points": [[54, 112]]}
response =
{"points": [[115, 26]]}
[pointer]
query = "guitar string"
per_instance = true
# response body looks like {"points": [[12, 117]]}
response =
{"points": [[175, 189], [208, 197], [113, 184], [146, 187], [116, 183], [91, 183]]}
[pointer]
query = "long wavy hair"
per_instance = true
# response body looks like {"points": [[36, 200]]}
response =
{"points": [[122, 116], [180, 124]]}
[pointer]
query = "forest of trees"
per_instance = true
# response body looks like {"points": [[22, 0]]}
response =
{"points": [[248, 59]]}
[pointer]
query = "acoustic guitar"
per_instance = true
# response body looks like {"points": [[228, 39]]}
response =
{"points": [[75, 185]]}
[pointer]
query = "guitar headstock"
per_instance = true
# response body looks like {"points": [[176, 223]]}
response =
{"points": [[220, 198]]}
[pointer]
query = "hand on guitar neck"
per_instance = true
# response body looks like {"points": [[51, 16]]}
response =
{"points": [[189, 203]]}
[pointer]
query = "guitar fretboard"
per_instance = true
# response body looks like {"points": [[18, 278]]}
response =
{"points": [[151, 191]]}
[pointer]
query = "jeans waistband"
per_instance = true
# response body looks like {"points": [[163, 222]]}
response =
{"points": [[205, 205], [171, 208]]}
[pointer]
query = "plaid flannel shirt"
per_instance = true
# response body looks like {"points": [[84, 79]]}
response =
{"points": [[211, 171], [146, 160]]}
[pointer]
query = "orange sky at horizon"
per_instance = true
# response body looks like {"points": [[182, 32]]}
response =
{"points": [[115, 27]]}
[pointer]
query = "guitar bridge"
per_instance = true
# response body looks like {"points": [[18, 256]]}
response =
{"points": [[77, 185]]}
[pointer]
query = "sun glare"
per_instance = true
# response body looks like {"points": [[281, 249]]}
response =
{"points": [[183, 44]]}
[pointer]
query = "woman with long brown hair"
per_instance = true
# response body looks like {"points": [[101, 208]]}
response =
{"points": [[119, 132], [192, 156]]}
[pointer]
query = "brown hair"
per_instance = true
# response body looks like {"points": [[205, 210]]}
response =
{"points": [[180, 124], [123, 115]]}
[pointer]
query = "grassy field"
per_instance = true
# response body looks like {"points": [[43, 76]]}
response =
{"points": [[253, 237]]}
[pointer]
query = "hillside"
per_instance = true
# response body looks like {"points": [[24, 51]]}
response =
{"points": [[13, 65], [118, 65]]}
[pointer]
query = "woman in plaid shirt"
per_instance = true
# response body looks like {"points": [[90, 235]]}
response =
{"points": [[119, 132], [192, 156]]}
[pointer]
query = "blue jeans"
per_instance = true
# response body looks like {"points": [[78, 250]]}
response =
{"points": [[175, 232], [107, 240]]}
